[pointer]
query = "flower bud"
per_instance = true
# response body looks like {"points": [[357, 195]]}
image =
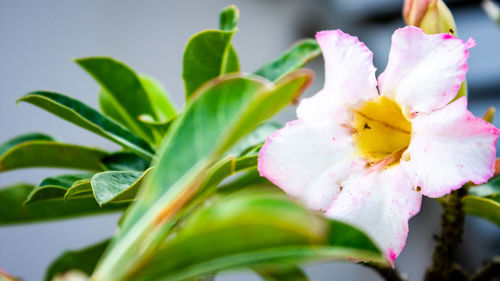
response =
{"points": [[431, 15]]}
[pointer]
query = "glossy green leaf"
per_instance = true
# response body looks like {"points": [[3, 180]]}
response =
{"points": [[160, 100], [83, 260], [252, 229], [51, 154], [4, 147], [228, 18], [224, 168], [251, 177], [161, 127], [125, 91], [79, 189], [268, 103], [228, 21], [117, 186], [12, 210], [486, 208], [484, 201], [220, 115], [125, 161], [282, 273], [491, 189], [232, 63], [462, 92], [54, 187], [86, 117], [122, 186], [109, 109], [294, 58], [208, 55], [253, 139]]}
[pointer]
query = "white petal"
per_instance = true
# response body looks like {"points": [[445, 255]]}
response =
{"points": [[349, 70], [380, 203], [449, 148], [308, 161], [322, 106], [424, 71]]}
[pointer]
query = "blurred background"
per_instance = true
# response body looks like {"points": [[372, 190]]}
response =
{"points": [[38, 39]]}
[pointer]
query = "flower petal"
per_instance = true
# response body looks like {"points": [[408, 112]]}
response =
{"points": [[449, 148], [349, 70], [380, 203], [308, 161], [424, 72], [322, 106]]}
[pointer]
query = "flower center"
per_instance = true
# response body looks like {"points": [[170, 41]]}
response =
{"points": [[381, 131]]}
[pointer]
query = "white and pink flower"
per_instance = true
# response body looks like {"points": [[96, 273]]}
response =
{"points": [[366, 156]]}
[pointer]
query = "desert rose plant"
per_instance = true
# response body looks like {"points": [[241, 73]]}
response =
{"points": [[201, 188]]}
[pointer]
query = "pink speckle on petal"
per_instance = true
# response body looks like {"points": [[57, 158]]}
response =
{"points": [[392, 257], [447, 36]]}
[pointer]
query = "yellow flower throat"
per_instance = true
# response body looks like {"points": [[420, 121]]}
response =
{"points": [[381, 130]]}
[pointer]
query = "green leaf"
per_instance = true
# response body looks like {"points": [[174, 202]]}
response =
{"points": [[4, 147], [253, 229], [12, 210], [109, 109], [268, 103], [294, 58], [125, 161], [223, 112], [208, 55], [484, 201], [80, 189], [165, 111], [255, 138], [462, 92], [126, 93], [161, 127], [485, 208], [282, 273], [160, 101], [224, 168], [54, 187], [251, 177], [83, 260], [232, 63], [117, 186], [88, 118], [491, 189], [228, 18], [122, 186], [51, 154]]}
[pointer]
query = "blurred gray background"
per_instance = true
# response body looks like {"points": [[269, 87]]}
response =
{"points": [[38, 39]]}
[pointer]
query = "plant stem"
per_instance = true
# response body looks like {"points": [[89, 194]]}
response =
{"points": [[443, 262], [387, 272], [488, 272]]}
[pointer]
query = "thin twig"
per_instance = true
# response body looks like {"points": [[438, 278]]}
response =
{"points": [[489, 271], [387, 272], [443, 262]]}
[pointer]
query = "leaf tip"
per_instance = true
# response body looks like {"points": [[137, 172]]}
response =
{"points": [[489, 114]]}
